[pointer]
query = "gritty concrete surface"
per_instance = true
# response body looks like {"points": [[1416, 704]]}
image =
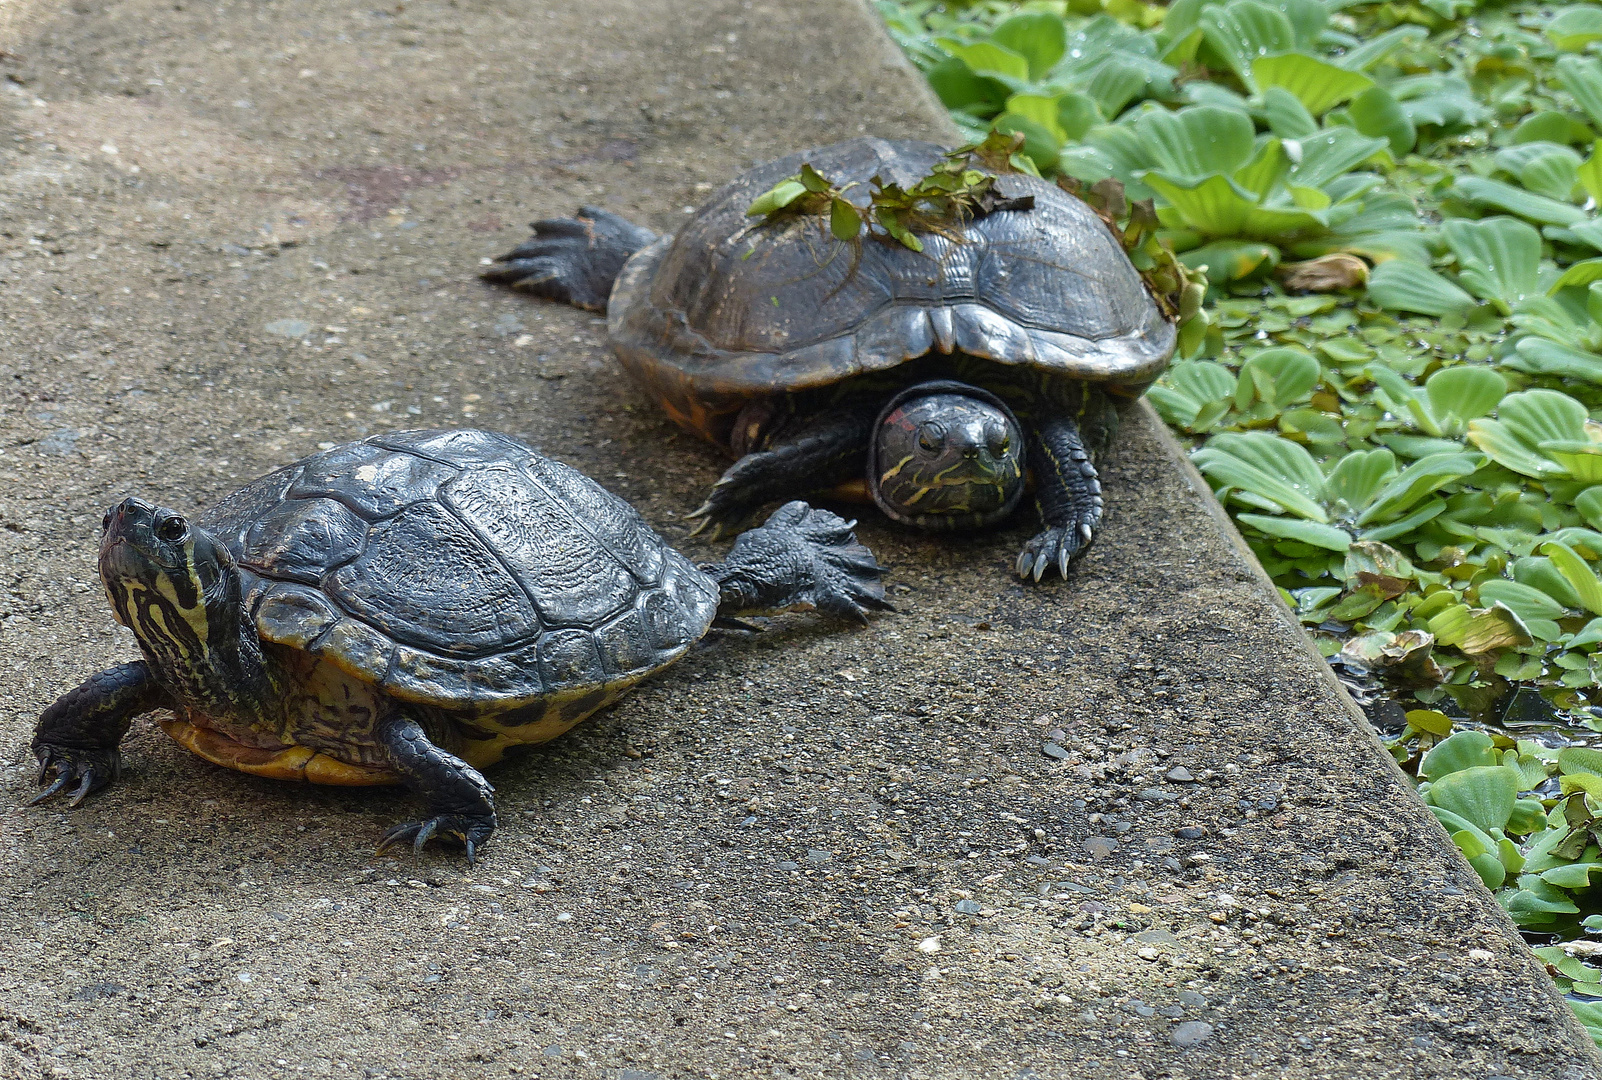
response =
{"points": [[1118, 827]]}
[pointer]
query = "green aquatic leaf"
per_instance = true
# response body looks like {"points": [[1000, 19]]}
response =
{"points": [[1590, 176], [1578, 759], [1376, 113], [1328, 537], [1216, 206], [1040, 38], [1589, 504], [1476, 838], [1286, 115], [1499, 258], [1232, 260], [1240, 31], [1192, 143], [988, 58], [1357, 478], [845, 221], [1480, 630], [1429, 510], [1536, 902], [1573, 876], [1582, 78], [1403, 285], [1538, 572], [1038, 109], [1544, 416], [1581, 578], [1266, 170], [1545, 168], [1419, 479], [1464, 393], [1526, 204], [1318, 85], [1541, 356], [1528, 815], [1482, 795], [1549, 125], [1331, 153], [1444, 101], [1042, 146], [1463, 750], [1574, 28], [1580, 459], [1276, 378], [960, 89], [1536, 610], [1272, 468], [1363, 56]]}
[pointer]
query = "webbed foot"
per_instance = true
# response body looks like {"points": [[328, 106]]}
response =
{"points": [[83, 771], [1054, 547], [802, 558], [574, 260], [472, 832]]}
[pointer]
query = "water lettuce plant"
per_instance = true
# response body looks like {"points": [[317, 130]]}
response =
{"points": [[1414, 456]]}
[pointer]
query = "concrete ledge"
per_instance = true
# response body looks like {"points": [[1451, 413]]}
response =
{"points": [[231, 232]]}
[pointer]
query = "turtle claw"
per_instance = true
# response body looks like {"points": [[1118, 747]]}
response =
{"points": [[470, 832], [89, 769], [61, 782], [1057, 546], [718, 516]]}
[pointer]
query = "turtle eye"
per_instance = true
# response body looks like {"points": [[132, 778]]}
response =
{"points": [[172, 529], [931, 435], [1000, 445], [105, 522]]}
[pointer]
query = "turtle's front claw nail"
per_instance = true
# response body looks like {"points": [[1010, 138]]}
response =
{"points": [[60, 782], [81, 792]]}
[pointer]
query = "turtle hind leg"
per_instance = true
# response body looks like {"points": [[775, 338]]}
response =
{"points": [[801, 559], [76, 737], [805, 455], [461, 803], [1068, 493], [574, 260]]}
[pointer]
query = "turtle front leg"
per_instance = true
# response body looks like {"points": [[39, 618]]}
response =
{"points": [[808, 454], [574, 260], [77, 737], [460, 800], [1068, 494]]}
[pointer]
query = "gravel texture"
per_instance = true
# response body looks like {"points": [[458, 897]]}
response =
{"points": [[1121, 827]]}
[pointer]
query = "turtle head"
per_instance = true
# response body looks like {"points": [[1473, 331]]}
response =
{"points": [[946, 456], [170, 582]]}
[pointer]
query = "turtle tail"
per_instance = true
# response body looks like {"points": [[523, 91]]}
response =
{"points": [[802, 559], [574, 260]]}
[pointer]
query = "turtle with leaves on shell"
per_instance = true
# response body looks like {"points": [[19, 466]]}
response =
{"points": [[923, 328]]}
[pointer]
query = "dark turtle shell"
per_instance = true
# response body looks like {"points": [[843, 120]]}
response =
{"points": [[462, 570], [724, 312]]}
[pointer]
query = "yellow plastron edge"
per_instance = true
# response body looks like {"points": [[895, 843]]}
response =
{"points": [[291, 763]]}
